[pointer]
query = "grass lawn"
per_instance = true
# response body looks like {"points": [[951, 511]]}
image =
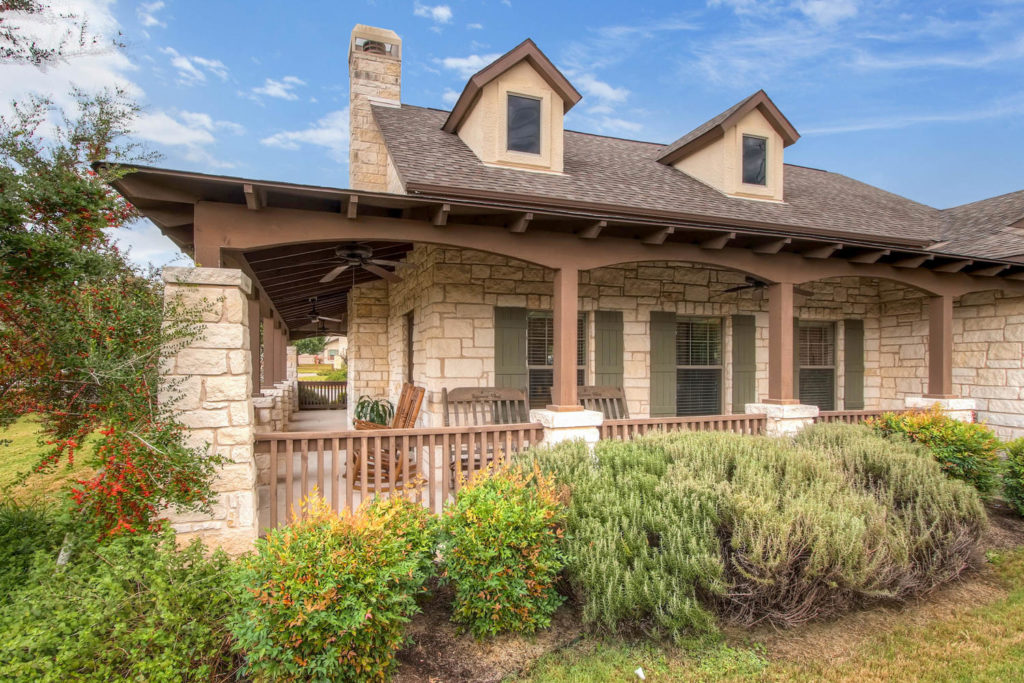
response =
{"points": [[959, 636], [20, 455]]}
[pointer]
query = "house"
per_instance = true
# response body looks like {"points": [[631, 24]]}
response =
{"points": [[488, 246]]}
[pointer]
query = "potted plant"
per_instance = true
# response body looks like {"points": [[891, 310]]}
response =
{"points": [[376, 410]]}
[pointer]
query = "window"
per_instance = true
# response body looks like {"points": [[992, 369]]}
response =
{"points": [[698, 366], [523, 124], [754, 160], [540, 355], [817, 349]]}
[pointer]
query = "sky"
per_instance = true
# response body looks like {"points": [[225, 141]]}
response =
{"points": [[924, 99]]}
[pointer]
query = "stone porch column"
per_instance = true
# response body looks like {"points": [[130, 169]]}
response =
{"points": [[940, 365], [785, 414], [209, 383]]}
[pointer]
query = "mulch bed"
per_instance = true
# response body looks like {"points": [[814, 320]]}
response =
{"points": [[438, 652]]}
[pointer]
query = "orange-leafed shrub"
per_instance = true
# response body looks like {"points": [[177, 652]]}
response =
{"points": [[328, 597], [501, 551]]}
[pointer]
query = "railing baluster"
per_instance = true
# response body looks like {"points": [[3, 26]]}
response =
{"points": [[320, 468], [273, 483], [350, 471], [335, 473], [288, 484]]}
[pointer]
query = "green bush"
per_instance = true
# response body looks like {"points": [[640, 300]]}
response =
{"points": [[135, 608], [501, 552], [668, 531], [966, 451], [327, 598], [1013, 475], [24, 531], [340, 375]]}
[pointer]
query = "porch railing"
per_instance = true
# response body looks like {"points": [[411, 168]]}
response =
{"points": [[737, 424], [847, 416], [347, 466], [323, 395]]}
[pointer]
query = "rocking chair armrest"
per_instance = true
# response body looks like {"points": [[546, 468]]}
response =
{"points": [[363, 424]]}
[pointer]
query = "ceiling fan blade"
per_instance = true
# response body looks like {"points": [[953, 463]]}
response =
{"points": [[333, 273], [386, 262], [738, 288], [333, 320], [386, 274]]}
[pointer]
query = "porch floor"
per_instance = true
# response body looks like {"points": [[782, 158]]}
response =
{"points": [[318, 421]]}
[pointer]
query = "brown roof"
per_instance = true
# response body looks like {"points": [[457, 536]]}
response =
{"points": [[992, 228], [525, 51], [603, 172], [709, 131]]}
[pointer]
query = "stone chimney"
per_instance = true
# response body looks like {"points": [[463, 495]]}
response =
{"points": [[375, 77]]}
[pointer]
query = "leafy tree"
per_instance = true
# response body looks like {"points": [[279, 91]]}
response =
{"points": [[81, 331], [311, 345], [18, 48]]}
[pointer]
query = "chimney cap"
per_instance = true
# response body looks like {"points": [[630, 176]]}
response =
{"points": [[375, 41]]}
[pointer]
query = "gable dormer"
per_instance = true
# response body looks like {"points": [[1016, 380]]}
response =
{"points": [[511, 112], [739, 152]]}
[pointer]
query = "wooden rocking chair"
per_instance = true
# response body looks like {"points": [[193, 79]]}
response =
{"points": [[408, 410]]}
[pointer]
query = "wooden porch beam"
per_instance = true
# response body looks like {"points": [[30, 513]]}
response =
{"points": [[913, 261], [352, 209], [593, 230], [773, 247], [869, 256], [991, 271], [953, 267], [440, 217], [520, 223], [255, 198], [822, 252], [719, 241], [658, 236], [940, 347]]}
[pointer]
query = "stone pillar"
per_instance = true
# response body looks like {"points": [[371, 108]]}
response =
{"points": [[292, 363], [784, 419], [940, 365], [209, 385], [569, 425]]}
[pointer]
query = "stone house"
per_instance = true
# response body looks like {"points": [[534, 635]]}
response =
{"points": [[487, 246]]}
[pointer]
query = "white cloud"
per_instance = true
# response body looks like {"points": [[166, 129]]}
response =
{"points": [[475, 26], [467, 66], [439, 14], [329, 132], [449, 96], [193, 70], [282, 89], [828, 12], [599, 89], [146, 246], [146, 13], [996, 110], [192, 132]]}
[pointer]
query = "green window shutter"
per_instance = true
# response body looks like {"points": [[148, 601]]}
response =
{"points": [[510, 348], [853, 364], [796, 358], [744, 362], [608, 350], [663, 364]]}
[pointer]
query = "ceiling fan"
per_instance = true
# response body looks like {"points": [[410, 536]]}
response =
{"points": [[317, 321], [760, 285], [355, 255]]}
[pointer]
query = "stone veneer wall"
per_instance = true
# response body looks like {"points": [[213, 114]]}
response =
{"points": [[209, 384], [453, 292]]}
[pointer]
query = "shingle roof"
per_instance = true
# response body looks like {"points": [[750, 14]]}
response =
{"points": [[986, 228], [603, 172]]}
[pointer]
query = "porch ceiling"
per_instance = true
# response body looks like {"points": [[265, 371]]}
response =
{"points": [[290, 276]]}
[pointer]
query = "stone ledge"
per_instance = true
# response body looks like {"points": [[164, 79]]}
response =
{"points": [[779, 411], [924, 403], [221, 277], [552, 419]]}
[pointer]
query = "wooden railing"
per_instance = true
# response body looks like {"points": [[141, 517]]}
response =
{"points": [[737, 424], [847, 416], [347, 466], [323, 395]]}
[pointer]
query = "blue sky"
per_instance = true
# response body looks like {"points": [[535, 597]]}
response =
{"points": [[925, 99]]}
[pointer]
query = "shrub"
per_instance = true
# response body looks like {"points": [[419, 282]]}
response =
{"points": [[376, 410], [134, 608], [965, 451], [501, 552], [339, 375], [1013, 475], [669, 530], [24, 531], [327, 598]]}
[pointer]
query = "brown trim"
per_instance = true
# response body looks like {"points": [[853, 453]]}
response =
{"points": [[940, 347], [526, 50], [758, 100]]}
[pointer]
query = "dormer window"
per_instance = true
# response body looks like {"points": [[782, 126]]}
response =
{"points": [[755, 158], [523, 124]]}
